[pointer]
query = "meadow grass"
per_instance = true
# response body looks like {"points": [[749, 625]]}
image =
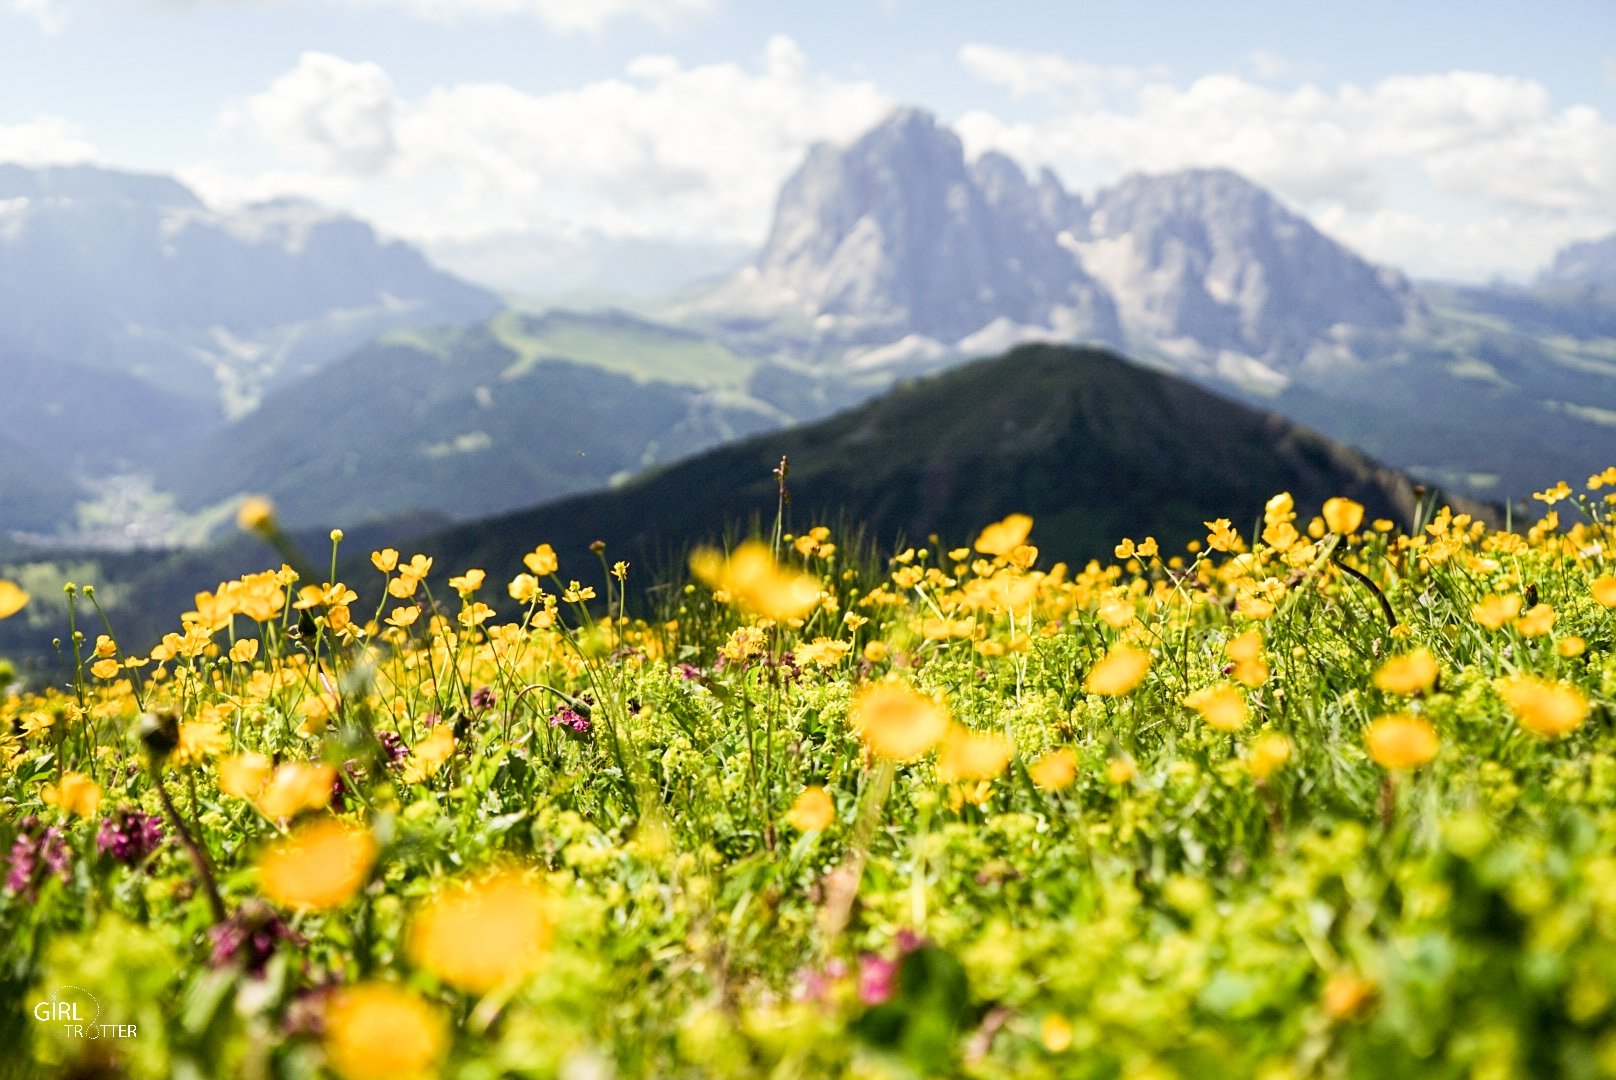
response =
{"points": [[1336, 799]]}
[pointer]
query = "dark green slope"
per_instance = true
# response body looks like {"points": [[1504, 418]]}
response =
{"points": [[1093, 446]]}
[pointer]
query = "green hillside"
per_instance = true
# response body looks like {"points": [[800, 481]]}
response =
{"points": [[1093, 446]]}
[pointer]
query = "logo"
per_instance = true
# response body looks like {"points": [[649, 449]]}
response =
{"points": [[76, 1012]]}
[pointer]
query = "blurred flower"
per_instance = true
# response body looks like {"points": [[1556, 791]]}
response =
{"points": [[482, 935], [969, 755], [38, 850], [379, 1031], [429, 755], [255, 514], [1003, 537], [1268, 754], [541, 561], [1493, 611], [751, 578], [128, 835], [1411, 673], [1055, 770], [813, 809], [75, 793], [1544, 707], [12, 598], [320, 866], [251, 934], [898, 722], [1401, 742], [1342, 515], [1222, 706], [1118, 672]]}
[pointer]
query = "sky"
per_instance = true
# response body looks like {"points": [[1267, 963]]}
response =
{"points": [[1466, 141]]}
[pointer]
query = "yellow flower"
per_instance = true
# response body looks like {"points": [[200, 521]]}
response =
{"points": [[1055, 1032], [318, 867], [813, 809], [475, 614], [1120, 770], [379, 1031], [244, 651], [541, 560], [255, 514], [199, 739], [1401, 742], [750, 577], [1411, 673], [822, 652], [1535, 621], [1003, 537], [480, 936], [1494, 611], [105, 646], [429, 755], [469, 582], [75, 794], [1570, 646], [898, 722], [1246, 651], [1342, 515], [1559, 491], [1221, 536], [1118, 672], [244, 775], [105, 669], [1603, 588], [970, 755], [1545, 707], [290, 790], [577, 594], [12, 598], [1222, 706], [403, 615], [1268, 754], [385, 560], [1055, 770]]}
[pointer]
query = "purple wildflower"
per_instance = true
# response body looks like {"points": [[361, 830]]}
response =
{"points": [[38, 851], [688, 671], [877, 979], [129, 835], [251, 934], [393, 748], [483, 698], [572, 720]]}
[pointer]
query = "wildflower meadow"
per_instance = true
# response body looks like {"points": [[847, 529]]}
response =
{"points": [[1319, 796]]}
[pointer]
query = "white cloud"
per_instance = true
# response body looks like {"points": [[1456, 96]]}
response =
{"points": [[586, 16], [667, 149], [45, 140], [1459, 152], [330, 111], [47, 14], [1026, 73]]}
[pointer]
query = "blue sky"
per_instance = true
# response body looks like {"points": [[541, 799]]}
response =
{"points": [[1459, 140]]}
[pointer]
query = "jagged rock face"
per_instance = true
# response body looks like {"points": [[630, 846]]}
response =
{"points": [[1586, 263], [1209, 256], [896, 235]]}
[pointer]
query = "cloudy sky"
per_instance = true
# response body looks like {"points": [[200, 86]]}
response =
{"points": [[1461, 140]]}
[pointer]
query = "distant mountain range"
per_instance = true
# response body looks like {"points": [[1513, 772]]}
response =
{"points": [[161, 357], [1093, 446], [894, 255]]}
